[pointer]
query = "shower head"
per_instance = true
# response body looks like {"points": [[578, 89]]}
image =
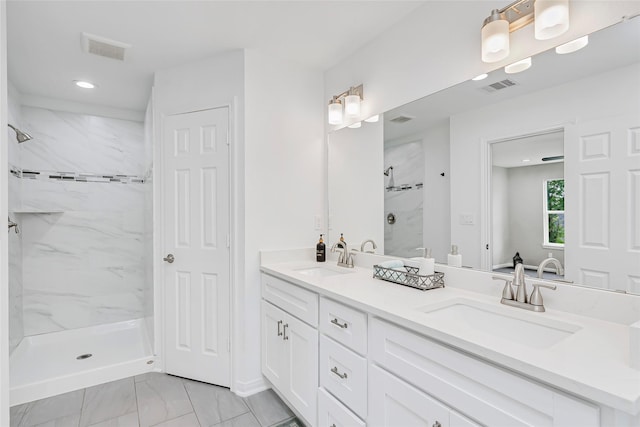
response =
{"points": [[386, 171], [20, 136]]}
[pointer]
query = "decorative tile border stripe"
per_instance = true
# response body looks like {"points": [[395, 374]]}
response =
{"points": [[77, 176]]}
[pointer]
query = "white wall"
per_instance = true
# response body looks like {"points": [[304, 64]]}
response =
{"points": [[278, 169], [603, 95], [4, 256], [438, 45], [284, 180]]}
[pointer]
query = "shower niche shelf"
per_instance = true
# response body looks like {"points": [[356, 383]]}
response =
{"points": [[37, 211]]}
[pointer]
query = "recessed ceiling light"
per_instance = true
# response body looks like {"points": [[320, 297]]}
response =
{"points": [[84, 85], [518, 67], [480, 77], [526, 160], [356, 125], [572, 46], [373, 119]]}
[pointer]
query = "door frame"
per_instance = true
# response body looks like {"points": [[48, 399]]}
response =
{"points": [[486, 214], [159, 286]]}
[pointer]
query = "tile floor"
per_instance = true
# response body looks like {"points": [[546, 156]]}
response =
{"points": [[154, 399]]}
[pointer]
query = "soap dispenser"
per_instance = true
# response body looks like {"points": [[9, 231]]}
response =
{"points": [[454, 259], [321, 251], [427, 263]]}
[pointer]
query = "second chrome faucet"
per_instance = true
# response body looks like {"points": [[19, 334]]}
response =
{"points": [[521, 300]]}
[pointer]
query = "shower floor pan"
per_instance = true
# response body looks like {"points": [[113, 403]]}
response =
{"points": [[49, 364]]}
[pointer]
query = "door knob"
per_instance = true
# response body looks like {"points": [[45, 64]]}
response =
{"points": [[169, 258]]}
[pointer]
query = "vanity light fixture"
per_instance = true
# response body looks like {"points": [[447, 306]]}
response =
{"points": [[550, 17], [351, 99], [84, 84], [480, 77], [356, 125], [518, 67], [572, 46]]}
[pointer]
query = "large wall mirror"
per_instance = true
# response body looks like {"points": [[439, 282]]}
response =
{"points": [[544, 164]]}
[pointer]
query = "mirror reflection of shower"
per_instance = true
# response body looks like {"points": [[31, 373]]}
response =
{"points": [[389, 172], [20, 135]]}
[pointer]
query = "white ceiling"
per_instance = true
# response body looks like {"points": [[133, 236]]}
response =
{"points": [[528, 151], [45, 56]]}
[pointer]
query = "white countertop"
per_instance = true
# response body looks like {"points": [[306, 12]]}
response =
{"points": [[592, 363]]}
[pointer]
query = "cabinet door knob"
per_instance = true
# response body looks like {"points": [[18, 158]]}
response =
{"points": [[279, 324], [338, 324], [335, 371], [284, 331]]}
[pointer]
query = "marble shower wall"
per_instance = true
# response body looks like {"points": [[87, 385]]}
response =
{"points": [[405, 199], [83, 245]]}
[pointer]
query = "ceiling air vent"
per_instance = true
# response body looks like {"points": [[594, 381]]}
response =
{"points": [[103, 46], [401, 119], [503, 84]]}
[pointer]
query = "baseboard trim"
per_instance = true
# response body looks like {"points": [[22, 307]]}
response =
{"points": [[246, 389]]}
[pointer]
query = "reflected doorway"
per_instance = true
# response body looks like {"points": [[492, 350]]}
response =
{"points": [[527, 204]]}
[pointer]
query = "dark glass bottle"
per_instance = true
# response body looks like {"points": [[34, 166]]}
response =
{"points": [[321, 251]]}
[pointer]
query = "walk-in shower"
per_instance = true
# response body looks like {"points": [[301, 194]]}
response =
{"points": [[80, 272], [20, 135]]}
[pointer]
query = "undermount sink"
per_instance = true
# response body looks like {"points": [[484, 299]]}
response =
{"points": [[321, 271], [523, 329]]}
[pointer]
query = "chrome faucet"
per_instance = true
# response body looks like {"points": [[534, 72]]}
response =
{"points": [[345, 258], [555, 262], [372, 244], [533, 303]]}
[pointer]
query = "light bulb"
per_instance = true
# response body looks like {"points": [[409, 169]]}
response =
{"points": [[84, 85], [518, 67], [551, 18], [573, 45], [335, 113], [352, 106], [495, 38]]}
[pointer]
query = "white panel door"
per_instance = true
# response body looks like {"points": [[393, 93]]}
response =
{"points": [[602, 203], [196, 232]]}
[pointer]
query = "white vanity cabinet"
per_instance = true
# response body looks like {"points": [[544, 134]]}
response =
{"points": [[485, 393], [289, 346]]}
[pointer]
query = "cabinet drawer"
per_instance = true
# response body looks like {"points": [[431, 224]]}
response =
{"points": [[333, 413], [291, 298], [344, 324], [395, 403], [344, 374], [484, 392]]}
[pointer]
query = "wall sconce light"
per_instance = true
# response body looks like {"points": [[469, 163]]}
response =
{"points": [[551, 19], [351, 99]]}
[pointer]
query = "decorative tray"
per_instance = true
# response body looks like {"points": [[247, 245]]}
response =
{"points": [[408, 276]]}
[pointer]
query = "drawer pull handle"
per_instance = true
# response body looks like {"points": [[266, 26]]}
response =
{"points": [[335, 371], [284, 331], [338, 324], [437, 424], [279, 331]]}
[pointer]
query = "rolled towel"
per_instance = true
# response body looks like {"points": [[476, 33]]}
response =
{"points": [[394, 263]]}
